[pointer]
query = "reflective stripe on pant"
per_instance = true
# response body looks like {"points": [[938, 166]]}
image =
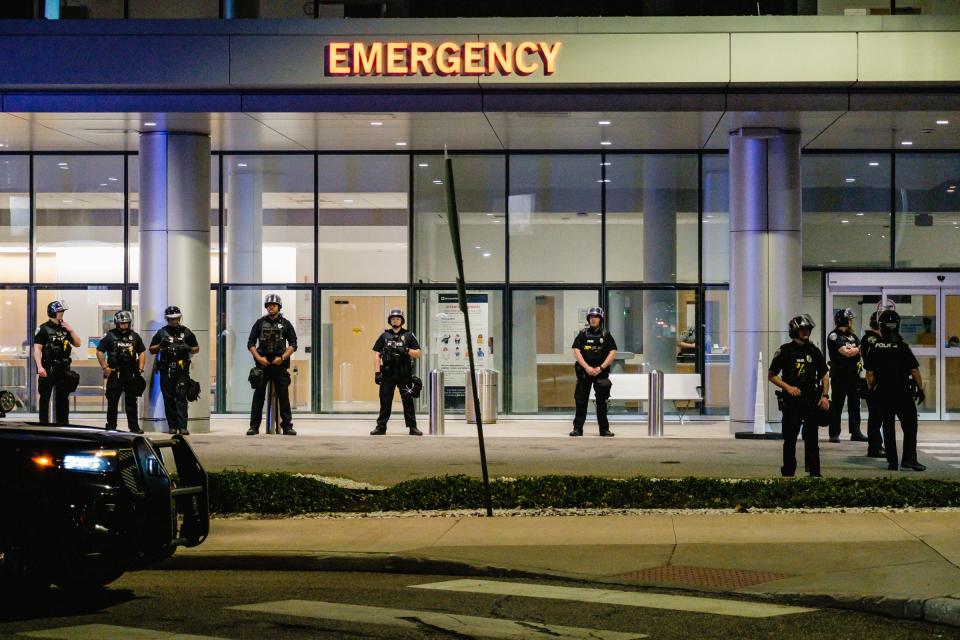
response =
{"points": [[904, 409], [46, 387], [281, 387], [388, 387], [844, 388], [121, 383], [800, 418], [581, 396]]}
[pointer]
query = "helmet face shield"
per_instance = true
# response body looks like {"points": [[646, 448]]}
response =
{"points": [[272, 298], [56, 307], [843, 317], [595, 312], [799, 323], [122, 317], [396, 313], [172, 313]]}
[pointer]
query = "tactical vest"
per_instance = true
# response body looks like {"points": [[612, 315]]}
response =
{"points": [[173, 347], [394, 361], [123, 352], [58, 347], [271, 340]]}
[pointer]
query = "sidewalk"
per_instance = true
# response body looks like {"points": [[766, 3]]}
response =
{"points": [[900, 564]]}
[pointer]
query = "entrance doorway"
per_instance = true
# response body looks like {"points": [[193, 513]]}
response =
{"points": [[929, 307]]}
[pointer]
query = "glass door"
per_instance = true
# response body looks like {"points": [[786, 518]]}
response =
{"points": [[920, 322], [950, 341]]}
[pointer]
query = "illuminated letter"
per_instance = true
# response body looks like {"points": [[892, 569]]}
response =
{"points": [[337, 61], [366, 63], [420, 56], [520, 58], [500, 59], [448, 59], [549, 56], [473, 59], [397, 59]]}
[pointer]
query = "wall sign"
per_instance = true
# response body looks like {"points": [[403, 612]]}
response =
{"points": [[444, 59]]}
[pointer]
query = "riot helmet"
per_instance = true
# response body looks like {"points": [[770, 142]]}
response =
{"points": [[595, 311], [396, 313], [874, 324], [800, 322], [122, 316], [56, 307], [889, 322], [272, 298], [172, 313], [842, 317]]}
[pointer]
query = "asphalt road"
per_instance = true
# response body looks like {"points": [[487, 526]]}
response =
{"points": [[295, 605]]}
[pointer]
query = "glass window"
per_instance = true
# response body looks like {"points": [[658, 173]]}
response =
{"points": [[15, 346], [652, 206], [716, 378], [244, 307], [654, 329], [268, 218], [543, 327], [14, 218], [554, 213], [351, 322], [846, 210], [90, 314], [480, 194], [812, 303], [716, 218], [364, 215], [174, 9], [79, 219], [928, 210], [443, 336], [134, 241]]}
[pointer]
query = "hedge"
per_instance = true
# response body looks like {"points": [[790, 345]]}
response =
{"points": [[283, 493]]}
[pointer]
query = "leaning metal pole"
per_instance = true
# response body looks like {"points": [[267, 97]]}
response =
{"points": [[453, 219]]}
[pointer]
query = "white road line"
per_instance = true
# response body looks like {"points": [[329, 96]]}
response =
{"points": [[939, 444], [714, 606], [471, 626], [956, 465], [948, 458], [939, 451], [110, 632]]}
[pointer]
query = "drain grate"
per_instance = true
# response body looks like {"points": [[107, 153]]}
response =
{"points": [[702, 577]]}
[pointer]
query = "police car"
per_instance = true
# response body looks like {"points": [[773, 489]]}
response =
{"points": [[80, 505]]}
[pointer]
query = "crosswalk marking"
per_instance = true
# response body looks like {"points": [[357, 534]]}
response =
{"points": [[110, 632], [949, 458], [940, 452], [625, 598], [469, 626], [939, 444]]}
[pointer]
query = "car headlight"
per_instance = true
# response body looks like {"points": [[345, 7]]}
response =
{"points": [[94, 462]]}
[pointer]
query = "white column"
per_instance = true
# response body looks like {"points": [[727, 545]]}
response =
{"points": [[765, 260], [175, 255]]}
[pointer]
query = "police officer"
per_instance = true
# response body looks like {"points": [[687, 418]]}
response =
{"points": [[52, 345], [843, 348], [122, 356], [687, 346], [875, 417], [173, 345], [393, 356], [893, 375], [272, 341], [593, 349], [800, 370]]}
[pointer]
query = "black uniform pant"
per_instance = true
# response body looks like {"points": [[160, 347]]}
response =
{"points": [[874, 423], [844, 388], [281, 387], [901, 407], [581, 396], [121, 383], [174, 400], [53, 385], [388, 386], [801, 417]]}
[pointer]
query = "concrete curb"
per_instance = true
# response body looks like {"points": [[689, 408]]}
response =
{"points": [[942, 610]]}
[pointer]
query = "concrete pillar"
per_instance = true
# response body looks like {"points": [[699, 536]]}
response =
{"points": [[765, 261], [659, 261], [244, 240], [175, 255]]}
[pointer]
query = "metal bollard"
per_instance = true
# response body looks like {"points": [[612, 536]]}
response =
{"points": [[436, 402], [655, 415], [273, 409]]}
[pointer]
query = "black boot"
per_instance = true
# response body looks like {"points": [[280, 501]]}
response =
{"points": [[576, 433], [415, 432], [379, 431], [136, 429], [289, 431], [606, 434], [252, 431]]}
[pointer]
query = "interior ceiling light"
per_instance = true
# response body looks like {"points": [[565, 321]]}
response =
{"points": [[906, 143], [149, 124], [423, 164], [606, 143], [376, 123], [401, 144], [851, 179], [603, 123], [241, 164], [874, 164]]}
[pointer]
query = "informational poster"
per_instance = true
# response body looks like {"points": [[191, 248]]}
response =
{"points": [[449, 340]]}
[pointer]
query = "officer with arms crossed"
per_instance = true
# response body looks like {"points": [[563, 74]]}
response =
{"points": [[893, 375], [799, 369], [52, 345], [121, 355], [272, 341], [843, 348], [594, 350], [173, 345], [875, 418], [393, 356]]}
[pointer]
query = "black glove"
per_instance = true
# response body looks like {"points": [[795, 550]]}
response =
{"points": [[919, 396], [378, 377]]}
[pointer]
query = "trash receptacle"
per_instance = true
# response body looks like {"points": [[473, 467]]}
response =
{"points": [[487, 385]]}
